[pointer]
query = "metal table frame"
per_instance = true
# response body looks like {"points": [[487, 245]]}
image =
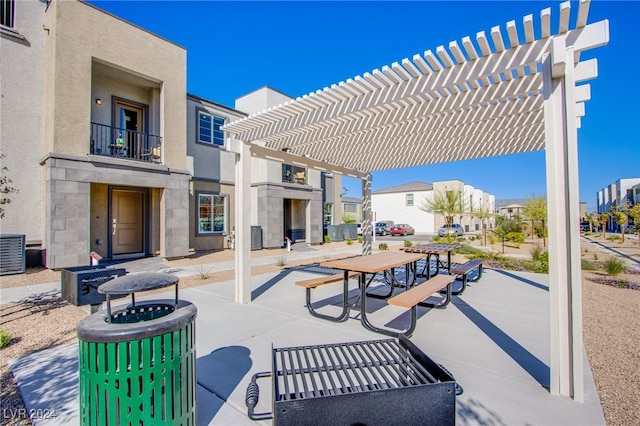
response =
{"points": [[374, 264]]}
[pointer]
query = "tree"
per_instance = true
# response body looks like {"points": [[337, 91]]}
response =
{"points": [[634, 213], [483, 214], [349, 218], [621, 220], [446, 203], [603, 218], [5, 187], [535, 209], [592, 219]]}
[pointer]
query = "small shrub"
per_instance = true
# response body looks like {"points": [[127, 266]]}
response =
{"points": [[614, 282], [203, 273], [536, 251], [360, 239], [5, 339], [408, 243], [447, 239], [383, 246], [595, 256], [614, 238], [467, 249], [349, 241], [614, 266], [587, 265], [516, 238], [327, 239], [281, 260]]}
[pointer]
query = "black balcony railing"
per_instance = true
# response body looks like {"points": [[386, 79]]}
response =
{"points": [[294, 174], [128, 144]]}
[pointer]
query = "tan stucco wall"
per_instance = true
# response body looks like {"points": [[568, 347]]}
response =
{"points": [[80, 35], [21, 116], [99, 222]]}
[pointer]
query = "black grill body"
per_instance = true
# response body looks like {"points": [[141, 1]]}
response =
{"points": [[379, 382]]}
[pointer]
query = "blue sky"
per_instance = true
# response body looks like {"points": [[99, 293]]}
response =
{"points": [[299, 47]]}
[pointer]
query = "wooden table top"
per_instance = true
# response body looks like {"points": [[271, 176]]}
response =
{"points": [[375, 262], [431, 248]]}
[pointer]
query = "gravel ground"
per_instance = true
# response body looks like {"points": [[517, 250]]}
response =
{"points": [[610, 314]]}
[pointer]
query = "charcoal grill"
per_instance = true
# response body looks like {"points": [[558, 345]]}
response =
{"points": [[374, 382]]}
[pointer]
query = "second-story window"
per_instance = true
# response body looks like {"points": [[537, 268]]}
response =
{"points": [[209, 129], [409, 199], [7, 13]]}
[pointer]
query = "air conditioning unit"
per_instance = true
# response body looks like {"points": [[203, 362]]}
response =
{"points": [[12, 254]]}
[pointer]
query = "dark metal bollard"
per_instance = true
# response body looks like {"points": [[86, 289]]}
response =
{"points": [[137, 365]]}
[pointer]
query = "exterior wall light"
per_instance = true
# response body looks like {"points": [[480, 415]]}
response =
{"points": [[98, 101]]}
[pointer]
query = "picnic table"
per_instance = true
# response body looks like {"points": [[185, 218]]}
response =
{"points": [[383, 262], [434, 249]]}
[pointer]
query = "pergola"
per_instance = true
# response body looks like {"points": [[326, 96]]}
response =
{"points": [[471, 99]]}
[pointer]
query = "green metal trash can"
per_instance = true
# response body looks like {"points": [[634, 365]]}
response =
{"points": [[137, 364]]}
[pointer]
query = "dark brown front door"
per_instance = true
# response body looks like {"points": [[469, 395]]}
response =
{"points": [[127, 222]]}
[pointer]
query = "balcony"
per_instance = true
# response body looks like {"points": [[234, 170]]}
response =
{"points": [[293, 174], [114, 142]]}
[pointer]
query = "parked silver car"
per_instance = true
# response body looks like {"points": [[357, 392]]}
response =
{"points": [[384, 227], [453, 229]]}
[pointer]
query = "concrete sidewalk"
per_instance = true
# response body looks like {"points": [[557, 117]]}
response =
{"points": [[494, 339], [155, 264]]}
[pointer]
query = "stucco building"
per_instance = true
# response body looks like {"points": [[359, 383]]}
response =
{"points": [[404, 204], [616, 195], [94, 135]]}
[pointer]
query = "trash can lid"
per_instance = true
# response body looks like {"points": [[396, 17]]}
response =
{"points": [[95, 327], [133, 283]]}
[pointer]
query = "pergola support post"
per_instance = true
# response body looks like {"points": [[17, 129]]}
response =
{"points": [[565, 280], [367, 225], [243, 222]]}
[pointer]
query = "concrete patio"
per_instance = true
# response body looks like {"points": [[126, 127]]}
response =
{"points": [[494, 338]]}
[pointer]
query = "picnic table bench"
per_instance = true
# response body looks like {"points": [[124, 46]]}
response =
{"points": [[328, 279], [464, 270], [415, 296]]}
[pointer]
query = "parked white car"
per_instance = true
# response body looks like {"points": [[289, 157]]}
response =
{"points": [[453, 229]]}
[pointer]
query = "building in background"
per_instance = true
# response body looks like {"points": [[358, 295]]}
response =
{"points": [[93, 132], [352, 207], [402, 204], [212, 167], [616, 195], [286, 199]]}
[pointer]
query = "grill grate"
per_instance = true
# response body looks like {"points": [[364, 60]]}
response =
{"points": [[344, 368], [372, 382]]}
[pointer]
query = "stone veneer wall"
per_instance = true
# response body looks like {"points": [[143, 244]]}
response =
{"points": [[67, 212], [270, 211]]}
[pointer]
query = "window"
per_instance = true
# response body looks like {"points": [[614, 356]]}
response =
{"points": [[409, 199], [7, 13], [328, 214], [209, 129], [350, 208], [212, 213]]}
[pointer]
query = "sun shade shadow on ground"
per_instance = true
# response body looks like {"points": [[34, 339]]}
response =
{"points": [[33, 373], [473, 412], [220, 373], [529, 362], [524, 280]]}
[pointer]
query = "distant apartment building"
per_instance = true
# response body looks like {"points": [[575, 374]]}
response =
{"points": [[352, 206], [405, 204], [287, 200], [212, 167], [617, 195], [93, 132]]}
